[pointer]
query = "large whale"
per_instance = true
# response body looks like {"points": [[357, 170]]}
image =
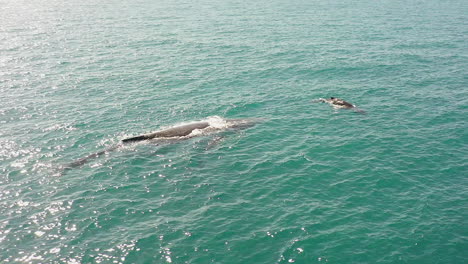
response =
{"points": [[176, 133]]}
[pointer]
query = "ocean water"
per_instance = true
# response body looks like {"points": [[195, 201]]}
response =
{"points": [[307, 184]]}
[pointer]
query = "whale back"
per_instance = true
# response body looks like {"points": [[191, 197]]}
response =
{"points": [[181, 131], [178, 131]]}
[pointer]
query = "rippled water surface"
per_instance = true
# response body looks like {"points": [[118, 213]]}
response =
{"points": [[306, 184]]}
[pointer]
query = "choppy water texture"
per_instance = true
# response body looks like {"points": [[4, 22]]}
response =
{"points": [[308, 184]]}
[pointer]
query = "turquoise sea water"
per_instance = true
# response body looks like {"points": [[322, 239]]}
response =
{"points": [[308, 184]]}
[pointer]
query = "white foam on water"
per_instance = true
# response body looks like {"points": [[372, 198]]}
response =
{"points": [[196, 132], [217, 122]]}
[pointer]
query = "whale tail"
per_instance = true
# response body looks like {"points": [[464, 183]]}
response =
{"points": [[84, 160], [360, 111]]}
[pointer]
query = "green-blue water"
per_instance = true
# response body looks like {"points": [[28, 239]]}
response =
{"points": [[309, 184]]}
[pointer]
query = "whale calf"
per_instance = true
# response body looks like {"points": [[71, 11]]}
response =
{"points": [[340, 103], [176, 133]]}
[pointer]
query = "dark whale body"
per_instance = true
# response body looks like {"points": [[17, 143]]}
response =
{"points": [[178, 131], [174, 134], [340, 103], [337, 102]]}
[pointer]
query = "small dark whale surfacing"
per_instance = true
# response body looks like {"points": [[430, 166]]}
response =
{"points": [[337, 102], [175, 133], [340, 103]]}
